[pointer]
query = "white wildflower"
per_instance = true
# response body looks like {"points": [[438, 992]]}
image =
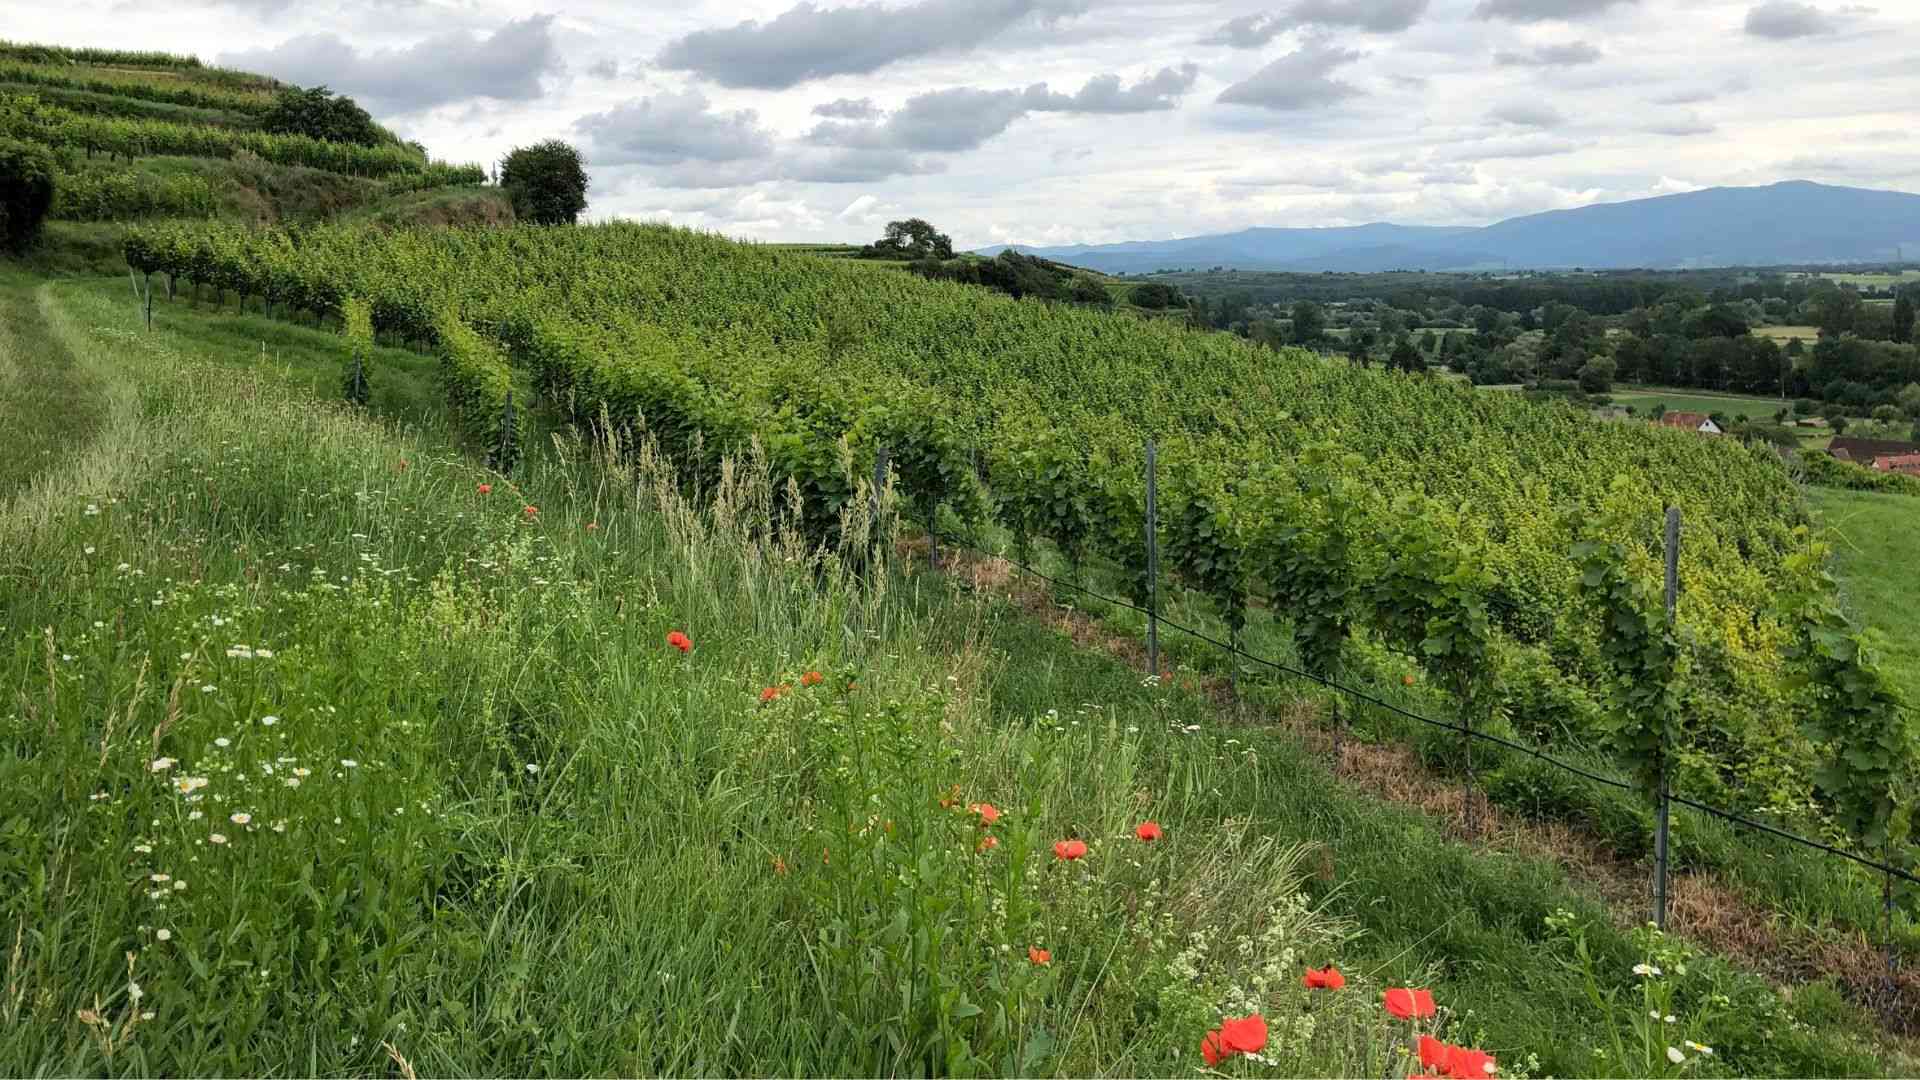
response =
{"points": [[240, 819], [218, 838], [163, 934], [161, 764], [1674, 1055]]}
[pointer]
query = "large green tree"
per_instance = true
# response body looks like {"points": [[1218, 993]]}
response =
{"points": [[1309, 323], [1903, 316], [26, 192], [546, 181], [914, 238]]}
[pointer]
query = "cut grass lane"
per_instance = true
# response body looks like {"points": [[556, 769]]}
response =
{"points": [[48, 403]]}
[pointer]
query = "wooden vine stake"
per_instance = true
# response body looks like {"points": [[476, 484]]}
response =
{"points": [[1153, 563], [1663, 795]]}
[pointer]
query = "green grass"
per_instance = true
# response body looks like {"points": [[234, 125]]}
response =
{"points": [[1756, 408], [1872, 281], [530, 837], [47, 400], [1875, 557], [1784, 334]]}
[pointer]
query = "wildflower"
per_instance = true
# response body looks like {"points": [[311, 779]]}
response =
{"points": [[1674, 1055], [1148, 831], [1212, 1050], [163, 934], [530, 510], [161, 764], [484, 489], [812, 678], [349, 763], [1247, 1035], [532, 768], [241, 819], [769, 694], [951, 798], [269, 721], [1406, 680], [987, 843], [1039, 956], [159, 879], [1644, 970], [218, 838], [187, 785], [779, 866], [988, 812], [223, 742], [1327, 978], [1070, 849], [1408, 1004], [1457, 1062], [680, 641], [593, 526]]}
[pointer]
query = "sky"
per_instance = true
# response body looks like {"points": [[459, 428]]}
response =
{"points": [[1070, 121]]}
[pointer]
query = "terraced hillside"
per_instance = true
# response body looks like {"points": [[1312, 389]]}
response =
{"points": [[140, 136]]}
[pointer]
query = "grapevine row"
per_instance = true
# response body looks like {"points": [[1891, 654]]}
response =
{"points": [[1290, 489]]}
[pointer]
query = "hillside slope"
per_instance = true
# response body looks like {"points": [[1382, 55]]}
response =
{"points": [[140, 136], [1789, 222]]}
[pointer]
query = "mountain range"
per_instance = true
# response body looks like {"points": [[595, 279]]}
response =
{"points": [[1795, 221]]}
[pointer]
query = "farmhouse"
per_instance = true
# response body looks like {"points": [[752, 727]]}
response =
{"points": [[1690, 421], [1871, 452], [1900, 463]]}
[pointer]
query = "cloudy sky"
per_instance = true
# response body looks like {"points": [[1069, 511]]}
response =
{"points": [[1063, 121]]}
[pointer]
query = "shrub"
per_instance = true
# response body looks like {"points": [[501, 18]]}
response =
{"points": [[547, 183], [319, 113], [26, 193]]}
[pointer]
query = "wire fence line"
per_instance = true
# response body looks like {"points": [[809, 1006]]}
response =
{"points": [[1401, 711]]}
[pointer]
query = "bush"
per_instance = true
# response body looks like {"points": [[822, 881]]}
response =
{"points": [[1830, 472], [1155, 296], [319, 113], [26, 193]]}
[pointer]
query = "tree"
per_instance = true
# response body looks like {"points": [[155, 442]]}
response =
{"points": [[318, 113], [1903, 316], [914, 238], [1405, 357], [1088, 291], [1309, 323], [26, 193], [1910, 400], [1839, 424], [1596, 376], [1155, 295], [547, 183], [1886, 414]]}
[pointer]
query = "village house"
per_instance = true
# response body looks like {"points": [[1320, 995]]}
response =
{"points": [[1690, 421]]}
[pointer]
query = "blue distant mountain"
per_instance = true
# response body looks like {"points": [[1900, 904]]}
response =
{"points": [[1795, 221]]}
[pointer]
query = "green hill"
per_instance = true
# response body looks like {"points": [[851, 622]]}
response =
{"points": [[140, 136]]}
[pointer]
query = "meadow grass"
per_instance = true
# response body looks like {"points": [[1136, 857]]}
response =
{"points": [[1755, 408], [1875, 556], [319, 758]]}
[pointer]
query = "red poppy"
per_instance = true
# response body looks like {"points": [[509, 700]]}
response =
{"points": [[812, 678], [1247, 1035], [987, 811], [987, 843], [1148, 831], [779, 866], [1408, 1004], [484, 489], [1326, 978], [1039, 956], [1069, 849], [1212, 1050], [1457, 1062], [769, 694], [680, 641], [1433, 1053], [1406, 680], [530, 510]]}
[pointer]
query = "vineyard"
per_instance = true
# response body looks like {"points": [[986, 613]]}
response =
{"points": [[1510, 550]]}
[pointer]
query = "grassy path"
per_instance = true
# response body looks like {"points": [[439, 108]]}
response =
{"points": [[49, 404], [1879, 564]]}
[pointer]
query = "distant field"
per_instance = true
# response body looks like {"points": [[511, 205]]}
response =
{"points": [[1699, 401], [1788, 333], [1875, 559], [1873, 281]]}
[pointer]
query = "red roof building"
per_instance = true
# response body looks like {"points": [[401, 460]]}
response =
{"points": [[1690, 421]]}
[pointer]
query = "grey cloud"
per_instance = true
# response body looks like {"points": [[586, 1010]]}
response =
{"points": [[507, 64], [808, 42], [848, 109], [859, 166], [1686, 97], [1528, 11], [1375, 16], [1681, 126], [1528, 114], [950, 121], [670, 129], [1103, 93], [1784, 20], [1568, 55], [1299, 80], [605, 69]]}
